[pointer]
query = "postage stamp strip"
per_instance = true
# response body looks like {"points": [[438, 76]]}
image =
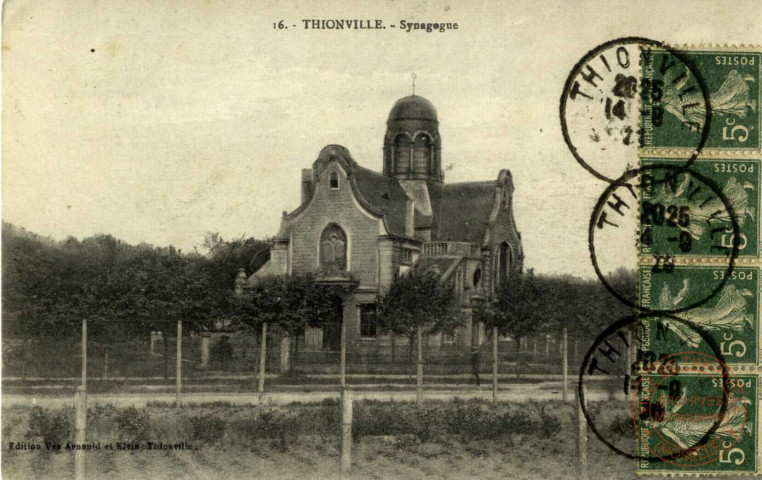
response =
{"points": [[674, 101], [697, 412]]}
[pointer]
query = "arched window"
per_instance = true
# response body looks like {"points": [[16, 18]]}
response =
{"points": [[421, 154], [333, 248], [505, 197], [504, 263], [334, 181], [401, 154], [477, 278]]}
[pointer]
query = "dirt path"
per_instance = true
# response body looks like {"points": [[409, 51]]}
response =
{"points": [[514, 393]]}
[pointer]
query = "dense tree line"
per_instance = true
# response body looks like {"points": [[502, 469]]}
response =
{"points": [[50, 286], [529, 304]]}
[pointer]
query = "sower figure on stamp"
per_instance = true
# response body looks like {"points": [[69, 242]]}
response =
{"points": [[475, 362]]}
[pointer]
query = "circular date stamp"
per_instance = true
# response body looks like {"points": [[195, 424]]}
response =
{"points": [[658, 214], [617, 361], [618, 96]]}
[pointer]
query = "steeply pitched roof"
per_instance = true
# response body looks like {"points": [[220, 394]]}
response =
{"points": [[383, 195], [463, 211]]}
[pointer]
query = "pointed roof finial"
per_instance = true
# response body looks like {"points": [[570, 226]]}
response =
{"points": [[413, 76]]}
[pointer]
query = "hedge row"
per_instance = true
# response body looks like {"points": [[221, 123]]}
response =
{"points": [[245, 426]]}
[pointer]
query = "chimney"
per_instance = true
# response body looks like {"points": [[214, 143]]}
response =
{"points": [[306, 184]]}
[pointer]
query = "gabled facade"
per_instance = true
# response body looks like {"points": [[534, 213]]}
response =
{"points": [[357, 229]]}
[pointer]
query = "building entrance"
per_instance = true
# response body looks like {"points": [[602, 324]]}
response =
{"points": [[332, 328]]}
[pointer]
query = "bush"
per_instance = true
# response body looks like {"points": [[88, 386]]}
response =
{"points": [[49, 425], [133, 425], [622, 426], [550, 425], [207, 428], [468, 420], [282, 427]]}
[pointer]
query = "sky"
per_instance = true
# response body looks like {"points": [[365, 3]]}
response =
{"points": [[158, 121]]}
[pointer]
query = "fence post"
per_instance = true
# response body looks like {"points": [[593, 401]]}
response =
{"points": [[576, 353], [205, 340], [346, 432], [80, 429], [419, 379], [166, 352], [628, 364], [285, 353], [581, 440], [494, 363], [262, 360], [343, 354], [84, 353], [105, 365], [565, 352], [179, 362]]}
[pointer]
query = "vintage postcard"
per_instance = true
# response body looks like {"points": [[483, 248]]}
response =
{"points": [[388, 240]]}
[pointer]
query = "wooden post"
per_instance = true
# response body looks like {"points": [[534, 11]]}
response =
{"points": [[179, 363], [628, 365], [346, 432], [205, 345], [262, 360], [165, 336], [285, 353], [576, 355], [84, 353], [105, 366], [419, 380], [581, 441], [80, 429], [494, 363], [343, 354], [565, 362]]}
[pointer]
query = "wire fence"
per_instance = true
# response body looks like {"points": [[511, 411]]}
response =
{"points": [[120, 359]]}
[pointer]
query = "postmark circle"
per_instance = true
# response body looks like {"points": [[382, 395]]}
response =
{"points": [[589, 365], [600, 107], [695, 217]]}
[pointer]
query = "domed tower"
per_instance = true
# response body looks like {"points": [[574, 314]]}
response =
{"points": [[412, 147]]}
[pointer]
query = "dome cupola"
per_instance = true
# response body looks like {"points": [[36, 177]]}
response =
{"points": [[412, 146], [413, 108]]}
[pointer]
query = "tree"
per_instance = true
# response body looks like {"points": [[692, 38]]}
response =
{"points": [[419, 301], [519, 308], [289, 303], [226, 257]]}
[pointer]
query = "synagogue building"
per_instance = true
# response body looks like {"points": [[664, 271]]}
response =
{"points": [[358, 229]]}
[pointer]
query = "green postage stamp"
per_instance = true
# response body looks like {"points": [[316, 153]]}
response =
{"points": [[696, 419], [691, 211], [682, 85], [730, 318]]}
